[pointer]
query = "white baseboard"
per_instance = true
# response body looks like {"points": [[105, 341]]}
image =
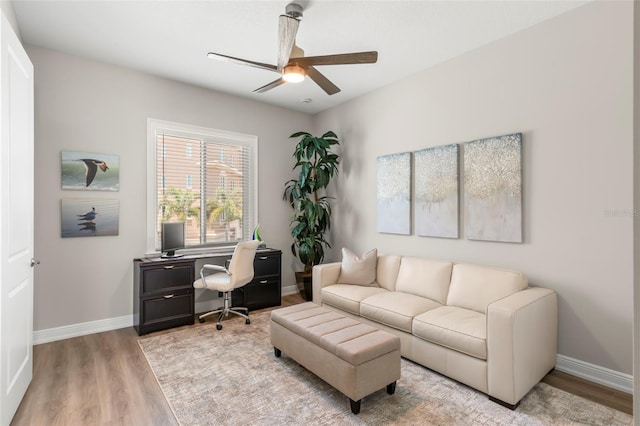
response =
{"points": [[82, 329], [591, 372], [289, 290], [594, 373]]}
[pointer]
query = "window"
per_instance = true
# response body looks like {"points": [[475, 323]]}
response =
{"points": [[222, 153], [214, 214]]}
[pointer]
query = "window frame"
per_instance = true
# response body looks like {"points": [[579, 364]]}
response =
{"points": [[155, 126]]}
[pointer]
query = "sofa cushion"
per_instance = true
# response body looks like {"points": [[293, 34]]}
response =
{"points": [[395, 309], [424, 277], [358, 270], [388, 266], [476, 287], [456, 328], [347, 296]]}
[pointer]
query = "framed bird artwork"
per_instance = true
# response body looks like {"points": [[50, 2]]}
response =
{"points": [[89, 217], [87, 171]]}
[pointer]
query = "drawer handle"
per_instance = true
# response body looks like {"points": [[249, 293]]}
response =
{"points": [[169, 266], [264, 281], [263, 257], [169, 296]]}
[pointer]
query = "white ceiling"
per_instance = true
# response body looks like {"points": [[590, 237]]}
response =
{"points": [[171, 38]]}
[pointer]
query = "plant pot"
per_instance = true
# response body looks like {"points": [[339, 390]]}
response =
{"points": [[305, 287]]}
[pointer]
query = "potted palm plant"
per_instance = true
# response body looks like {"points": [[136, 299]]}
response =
{"points": [[316, 165]]}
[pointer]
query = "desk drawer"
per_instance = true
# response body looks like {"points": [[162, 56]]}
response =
{"points": [[265, 265], [165, 278], [258, 294], [171, 307]]}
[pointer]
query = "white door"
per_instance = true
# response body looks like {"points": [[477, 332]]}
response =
{"points": [[16, 222]]}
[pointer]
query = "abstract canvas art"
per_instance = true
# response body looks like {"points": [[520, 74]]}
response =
{"points": [[436, 191], [394, 193], [89, 217], [90, 171], [493, 189]]}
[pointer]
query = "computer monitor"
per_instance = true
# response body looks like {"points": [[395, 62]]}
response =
{"points": [[172, 238]]}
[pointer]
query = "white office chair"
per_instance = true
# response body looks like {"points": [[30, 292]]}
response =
{"points": [[238, 273]]}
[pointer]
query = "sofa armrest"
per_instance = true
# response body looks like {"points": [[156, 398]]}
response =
{"points": [[522, 333], [324, 275]]}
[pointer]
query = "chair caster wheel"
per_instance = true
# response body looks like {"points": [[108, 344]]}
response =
{"points": [[247, 321], [201, 320], [219, 326]]}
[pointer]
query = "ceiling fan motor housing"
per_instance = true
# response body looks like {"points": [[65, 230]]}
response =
{"points": [[294, 10]]}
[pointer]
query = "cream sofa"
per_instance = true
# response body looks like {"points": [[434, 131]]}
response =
{"points": [[484, 327]]}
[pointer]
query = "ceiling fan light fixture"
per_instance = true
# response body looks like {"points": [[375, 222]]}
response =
{"points": [[293, 73]]}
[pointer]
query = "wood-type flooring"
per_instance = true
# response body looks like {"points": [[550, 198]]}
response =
{"points": [[104, 379]]}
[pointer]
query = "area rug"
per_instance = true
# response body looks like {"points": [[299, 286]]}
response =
{"points": [[231, 376]]}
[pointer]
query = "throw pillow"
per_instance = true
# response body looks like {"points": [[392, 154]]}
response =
{"points": [[358, 270]]}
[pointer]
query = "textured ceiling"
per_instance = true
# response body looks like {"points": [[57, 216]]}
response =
{"points": [[171, 38]]}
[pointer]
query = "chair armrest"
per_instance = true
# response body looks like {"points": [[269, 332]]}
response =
{"points": [[216, 268], [522, 334], [324, 275]]}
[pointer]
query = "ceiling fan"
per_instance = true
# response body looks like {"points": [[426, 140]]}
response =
{"points": [[292, 64]]}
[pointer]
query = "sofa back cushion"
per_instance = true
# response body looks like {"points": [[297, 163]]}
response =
{"points": [[476, 287], [388, 266], [424, 277], [358, 270]]}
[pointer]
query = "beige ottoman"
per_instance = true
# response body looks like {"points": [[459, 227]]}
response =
{"points": [[355, 358]]}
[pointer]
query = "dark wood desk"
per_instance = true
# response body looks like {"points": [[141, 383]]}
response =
{"points": [[163, 293]]}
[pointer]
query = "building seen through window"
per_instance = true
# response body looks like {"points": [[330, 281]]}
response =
{"points": [[202, 189]]}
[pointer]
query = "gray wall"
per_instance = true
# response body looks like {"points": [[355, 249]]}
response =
{"points": [[567, 84], [89, 106]]}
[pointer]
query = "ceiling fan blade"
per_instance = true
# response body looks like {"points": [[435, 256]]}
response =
{"points": [[340, 59], [231, 59], [269, 86], [286, 38], [322, 81]]}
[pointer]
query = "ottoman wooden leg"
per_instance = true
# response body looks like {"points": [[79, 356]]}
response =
{"points": [[355, 406], [277, 352], [391, 388]]}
